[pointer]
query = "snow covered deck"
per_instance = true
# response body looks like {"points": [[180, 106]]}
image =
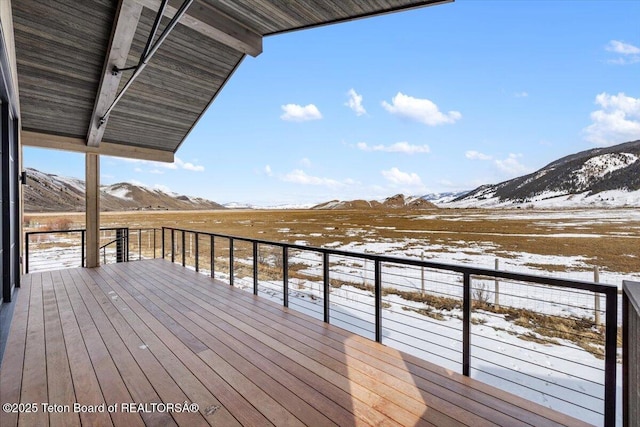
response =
{"points": [[144, 343]]}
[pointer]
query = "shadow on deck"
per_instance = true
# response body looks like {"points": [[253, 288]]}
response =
{"points": [[154, 333]]}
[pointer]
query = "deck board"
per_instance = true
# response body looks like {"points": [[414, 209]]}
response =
{"points": [[152, 332]]}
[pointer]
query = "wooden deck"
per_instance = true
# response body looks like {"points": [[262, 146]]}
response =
{"points": [[154, 332]]}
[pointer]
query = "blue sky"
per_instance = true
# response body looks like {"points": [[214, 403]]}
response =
{"points": [[442, 98]]}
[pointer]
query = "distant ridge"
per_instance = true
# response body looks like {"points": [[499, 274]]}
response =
{"points": [[598, 177], [52, 193], [397, 202]]}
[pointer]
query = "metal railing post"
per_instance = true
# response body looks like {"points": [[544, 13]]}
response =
{"points": [[184, 252], [610, 355], [197, 248], [255, 268], [378, 299], [212, 255], [230, 261], [82, 238], [173, 245], [285, 276], [466, 325], [325, 268], [26, 253], [162, 245]]}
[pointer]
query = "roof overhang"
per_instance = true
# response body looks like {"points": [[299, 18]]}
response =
{"points": [[67, 51]]}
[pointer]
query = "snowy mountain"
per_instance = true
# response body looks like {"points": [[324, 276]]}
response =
{"points": [[599, 177], [439, 198], [399, 201], [52, 193]]}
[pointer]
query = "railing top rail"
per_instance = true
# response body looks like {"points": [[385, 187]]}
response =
{"points": [[476, 271], [632, 290], [79, 230]]}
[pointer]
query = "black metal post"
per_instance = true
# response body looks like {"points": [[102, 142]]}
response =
{"points": [[466, 325], [197, 247], [212, 255], [378, 297], [26, 253], [83, 248], [255, 268], [120, 255], [230, 261], [184, 252], [173, 245], [610, 355], [285, 276], [162, 244], [325, 262]]}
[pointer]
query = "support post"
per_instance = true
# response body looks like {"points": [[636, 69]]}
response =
{"points": [[92, 215], [378, 299], [325, 259], [231, 261], [285, 276], [255, 268], [466, 325]]}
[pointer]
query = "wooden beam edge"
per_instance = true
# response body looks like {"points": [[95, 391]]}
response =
{"points": [[65, 143], [124, 29]]}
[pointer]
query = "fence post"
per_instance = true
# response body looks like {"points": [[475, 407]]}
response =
{"points": [[285, 276], [496, 291], [466, 325], [26, 252], [197, 262], [230, 261], [173, 245], [596, 296], [255, 268], [184, 253], [378, 297], [82, 233], [162, 245], [212, 255], [325, 268]]}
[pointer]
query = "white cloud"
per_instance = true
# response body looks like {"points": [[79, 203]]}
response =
{"points": [[298, 113], [522, 94], [157, 166], [298, 176], [476, 155], [511, 165], [396, 176], [420, 110], [268, 171], [398, 147], [617, 121], [629, 54], [355, 103]]}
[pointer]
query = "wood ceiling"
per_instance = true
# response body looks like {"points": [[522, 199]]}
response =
{"points": [[66, 50]]}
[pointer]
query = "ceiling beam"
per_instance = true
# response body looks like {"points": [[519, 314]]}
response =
{"points": [[214, 24], [124, 29], [65, 143]]}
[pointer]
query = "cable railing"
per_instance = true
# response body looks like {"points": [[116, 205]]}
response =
{"points": [[545, 340], [58, 249]]}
